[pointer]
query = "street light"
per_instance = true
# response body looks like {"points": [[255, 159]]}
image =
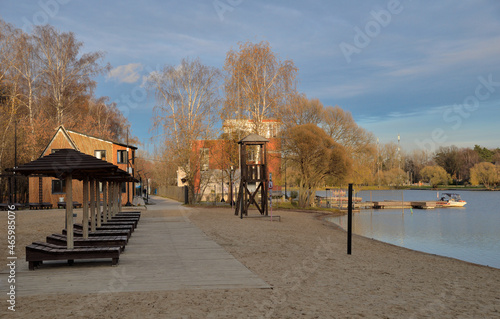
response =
{"points": [[286, 196], [231, 184]]}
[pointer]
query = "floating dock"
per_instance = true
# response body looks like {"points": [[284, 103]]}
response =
{"points": [[401, 204], [341, 203]]}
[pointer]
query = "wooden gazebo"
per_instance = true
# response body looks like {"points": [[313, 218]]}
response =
{"points": [[69, 164], [254, 175]]}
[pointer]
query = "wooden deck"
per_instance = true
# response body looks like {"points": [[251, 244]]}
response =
{"points": [[395, 204], [165, 253]]}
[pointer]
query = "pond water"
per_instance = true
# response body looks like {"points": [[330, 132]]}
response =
{"points": [[471, 233]]}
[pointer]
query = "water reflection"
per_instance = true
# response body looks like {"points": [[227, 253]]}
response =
{"points": [[469, 233]]}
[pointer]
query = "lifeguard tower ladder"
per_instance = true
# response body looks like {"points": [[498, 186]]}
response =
{"points": [[254, 176]]}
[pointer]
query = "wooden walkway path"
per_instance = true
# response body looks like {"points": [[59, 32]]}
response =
{"points": [[164, 253]]}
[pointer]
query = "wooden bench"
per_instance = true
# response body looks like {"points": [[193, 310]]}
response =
{"points": [[43, 205], [79, 233], [121, 220], [103, 241], [63, 205], [38, 252], [116, 223], [126, 216], [108, 227], [135, 213]]}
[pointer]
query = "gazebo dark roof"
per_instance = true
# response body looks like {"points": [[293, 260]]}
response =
{"points": [[253, 138], [69, 161]]}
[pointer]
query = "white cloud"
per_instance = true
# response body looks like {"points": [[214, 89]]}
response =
{"points": [[128, 73]]}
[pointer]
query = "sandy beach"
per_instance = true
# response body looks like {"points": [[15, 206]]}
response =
{"points": [[302, 257]]}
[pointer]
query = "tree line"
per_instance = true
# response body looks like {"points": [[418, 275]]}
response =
{"points": [[320, 145], [46, 81], [193, 99]]}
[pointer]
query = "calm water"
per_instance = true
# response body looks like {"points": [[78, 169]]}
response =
{"points": [[471, 233]]}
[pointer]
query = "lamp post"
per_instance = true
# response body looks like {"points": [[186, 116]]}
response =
{"points": [[231, 184], [128, 184], [286, 196], [326, 199], [15, 161]]}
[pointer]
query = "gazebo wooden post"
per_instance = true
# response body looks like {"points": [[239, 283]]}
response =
{"points": [[105, 201], [117, 199], [92, 205], [85, 219], [98, 203], [119, 210], [112, 199], [69, 211]]}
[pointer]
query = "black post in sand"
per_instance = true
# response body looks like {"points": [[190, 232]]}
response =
{"points": [[349, 220]]}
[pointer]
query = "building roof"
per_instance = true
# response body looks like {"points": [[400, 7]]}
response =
{"points": [[74, 145], [253, 138], [69, 161]]}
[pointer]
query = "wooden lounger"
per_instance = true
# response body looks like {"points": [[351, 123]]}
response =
{"points": [[108, 227], [121, 220], [130, 213], [116, 223], [79, 233], [103, 241], [38, 252], [118, 216]]}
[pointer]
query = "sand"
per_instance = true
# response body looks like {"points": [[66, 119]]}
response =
{"points": [[302, 257]]}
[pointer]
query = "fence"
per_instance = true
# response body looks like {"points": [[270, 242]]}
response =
{"points": [[173, 192]]}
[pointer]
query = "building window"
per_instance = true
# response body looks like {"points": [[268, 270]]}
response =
{"points": [[121, 157], [205, 158], [124, 187], [58, 186], [275, 130], [100, 154]]}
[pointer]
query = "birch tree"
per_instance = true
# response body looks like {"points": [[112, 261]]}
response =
{"points": [[66, 74], [258, 83], [27, 69], [187, 101]]}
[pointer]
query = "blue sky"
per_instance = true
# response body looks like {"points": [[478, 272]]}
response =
{"points": [[428, 71]]}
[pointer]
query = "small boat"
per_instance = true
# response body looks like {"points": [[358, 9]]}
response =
{"points": [[451, 200]]}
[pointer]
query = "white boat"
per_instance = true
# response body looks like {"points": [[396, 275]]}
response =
{"points": [[451, 200]]}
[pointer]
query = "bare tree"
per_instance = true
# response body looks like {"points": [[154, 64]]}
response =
{"points": [[186, 109], [66, 75], [9, 88], [27, 68], [257, 83]]}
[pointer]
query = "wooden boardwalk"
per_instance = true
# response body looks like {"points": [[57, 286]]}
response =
{"points": [[164, 253], [399, 204]]}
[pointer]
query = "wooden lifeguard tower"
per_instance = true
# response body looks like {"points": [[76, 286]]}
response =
{"points": [[254, 175]]}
